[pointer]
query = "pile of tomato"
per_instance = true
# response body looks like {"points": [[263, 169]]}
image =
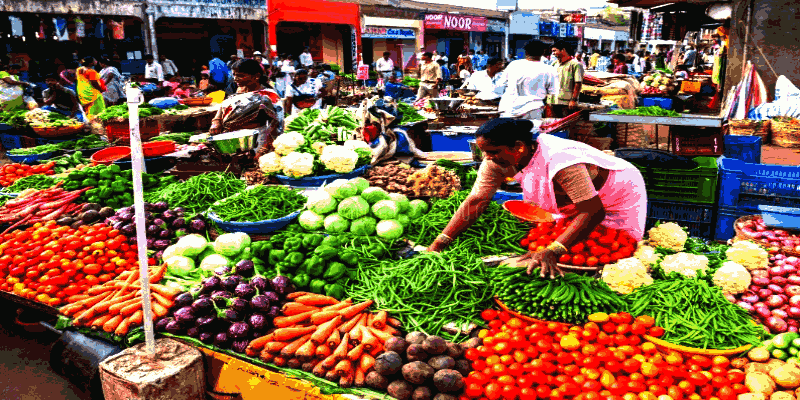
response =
{"points": [[604, 245], [606, 359], [10, 173], [49, 263]]}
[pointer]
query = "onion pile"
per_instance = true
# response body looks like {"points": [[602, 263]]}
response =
{"points": [[774, 295], [772, 239]]}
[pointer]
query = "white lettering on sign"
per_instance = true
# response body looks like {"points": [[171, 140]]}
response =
{"points": [[455, 22]]}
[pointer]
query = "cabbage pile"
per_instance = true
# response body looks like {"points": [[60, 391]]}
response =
{"points": [[353, 206]]}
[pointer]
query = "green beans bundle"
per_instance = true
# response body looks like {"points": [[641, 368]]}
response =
{"points": [[652, 111], [45, 148], [37, 181], [565, 299], [259, 204], [199, 192], [695, 314], [496, 231], [427, 291]]}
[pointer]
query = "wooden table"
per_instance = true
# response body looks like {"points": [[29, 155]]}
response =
{"points": [[686, 120]]}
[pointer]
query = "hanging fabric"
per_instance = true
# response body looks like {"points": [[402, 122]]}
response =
{"points": [[80, 28], [99, 28], [62, 33], [42, 28], [117, 30], [16, 26]]}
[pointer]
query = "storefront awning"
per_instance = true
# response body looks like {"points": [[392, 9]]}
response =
{"points": [[313, 11], [654, 3], [380, 32]]}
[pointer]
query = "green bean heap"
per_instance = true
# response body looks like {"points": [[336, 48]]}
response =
{"points": [[198, 192], [260, 203]]}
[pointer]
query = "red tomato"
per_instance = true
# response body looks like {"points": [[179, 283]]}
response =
{"points": [[578, 260], [493, 391]]}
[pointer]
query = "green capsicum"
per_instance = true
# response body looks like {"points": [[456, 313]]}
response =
{"points": [[316, 266], [119, 187], [317, 286], [105, 193], [334, 290], [77, 176], [376, 250], [331, 241], [276, 256], [325, 252], [335, 271], [301, 281], [311, 241], [293, 244], [106, 174], [294, 258], [348, 257], [89, 182]]}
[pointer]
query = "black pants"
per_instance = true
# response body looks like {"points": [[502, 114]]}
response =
{"points": [[561, 110]]}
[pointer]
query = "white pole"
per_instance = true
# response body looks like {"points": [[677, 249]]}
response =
{"points": [[134, 99]]}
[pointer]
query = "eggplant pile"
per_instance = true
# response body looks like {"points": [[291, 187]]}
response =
{"points": [[228, 310], [163, 224], [89, 214]]}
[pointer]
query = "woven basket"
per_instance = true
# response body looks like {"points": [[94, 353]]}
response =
{"points": [[635, 137], [740, 236], [748, 127], [59, 131], [786, 132]]}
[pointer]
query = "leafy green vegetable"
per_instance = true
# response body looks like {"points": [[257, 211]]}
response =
{"points": [[652, 111], [179, 137], [121, 111], [410, 114]]}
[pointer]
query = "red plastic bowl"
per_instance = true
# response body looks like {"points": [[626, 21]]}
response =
{"points": [[108, 155], [155, 149], [527, 212]]}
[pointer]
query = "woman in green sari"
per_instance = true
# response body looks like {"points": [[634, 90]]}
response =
{"points": [[90, 88]]}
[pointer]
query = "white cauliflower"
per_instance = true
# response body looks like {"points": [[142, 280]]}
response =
{"points": [[297, 165], [339, 159], [732, 277], [270, 163], [288, 142], [626, 275], [647, 255], [669, 236], [685, 264], [356, 144], [318, 147], [749, 254]]}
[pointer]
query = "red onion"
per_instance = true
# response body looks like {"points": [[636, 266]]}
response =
{"points": [[764, 293], [774, 301], [792, 290], [775, 289], [777, 325], [793, 279], [751, 298], [760, 273], [793, 329], [780, 314], [779, 256], [776, 271], [794, 301], [730, 298], [794, 312], [762, 282], [792, 260], [747, 306], [760, 305], [797, 249], [763, 312], [778, 280], [789, 269]]}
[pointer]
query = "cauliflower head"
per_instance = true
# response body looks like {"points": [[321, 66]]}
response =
{"points": [[318, 147], [748, 254], [732, 277], [270, 163], [297, 165], [356, 144], [669, 236], [626, 275], [339, 159], [647, 255], [288, 142], [685, 264]]}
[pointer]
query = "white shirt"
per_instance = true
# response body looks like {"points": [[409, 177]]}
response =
{"points": [[311, 87], [169, 67], [529, 83], [383, 65], [464, 74], [306, 60], [489, 88], [286, 66], [153, 71]]}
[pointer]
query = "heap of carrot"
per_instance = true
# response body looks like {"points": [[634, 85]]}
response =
{"points": [[39, 206], [337, 340], [116, 306]]}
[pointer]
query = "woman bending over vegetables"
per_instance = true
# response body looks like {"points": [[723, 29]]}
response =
{"points": [[564, 177]]}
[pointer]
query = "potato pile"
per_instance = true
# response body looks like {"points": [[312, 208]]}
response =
{"points": [[770, 379], [421, 367], [392, 177]]}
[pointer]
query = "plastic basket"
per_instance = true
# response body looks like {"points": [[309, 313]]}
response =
{"points": [[697, 142], [10, 141], [745, 148], [119, 132], [151, 164], [746, 186], [663, 102], [254, 227], [697, 218], [27, 142], [747, 127], [781, 217], [726, 222], [316, 181], [41, 141], [30, 159], [502, 196], [697, 185], [458, 142]]}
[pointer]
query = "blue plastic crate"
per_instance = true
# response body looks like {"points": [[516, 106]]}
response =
{"points": [[10, 141], [663, 102], [502, 196], [697, 218], [561, 134], [746, 186], [316, 181], [745, 148], [781, 217], [40, 141], [260, 227], [458, 142], [726, 218]]}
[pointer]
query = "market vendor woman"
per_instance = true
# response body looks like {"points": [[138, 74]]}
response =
{"points": [[561, 176]]}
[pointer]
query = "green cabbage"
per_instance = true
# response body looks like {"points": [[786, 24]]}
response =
{"points": [[353, 208], [180, 266], [374, 194], [310, 220], [401, 200], [321, 202], [385, 209], [334, 223], [190, 245], [389, 229], [403, 220], [364, 226], [417, 208], [231, 244], [360, 183], [214, 261]]}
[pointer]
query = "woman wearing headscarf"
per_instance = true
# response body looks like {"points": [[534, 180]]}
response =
{"points": [[114, 82], [90, 88]]}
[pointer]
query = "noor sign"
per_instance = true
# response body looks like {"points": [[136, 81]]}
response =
{"points": [[455, 22]]}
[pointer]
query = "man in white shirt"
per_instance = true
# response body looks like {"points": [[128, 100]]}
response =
{"points": [[153, 72], [168, 66], [490, 83], [529, 83], [385, 66], [306, 61]]}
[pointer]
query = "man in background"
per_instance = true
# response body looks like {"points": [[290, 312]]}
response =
{"points": [[430, 76], [167, 65], [306, 61], [530, 82], [385, 66], [570, 80], [153, 71]]}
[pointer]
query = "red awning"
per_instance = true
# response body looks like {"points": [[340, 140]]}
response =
{"points": [[313, 11]]}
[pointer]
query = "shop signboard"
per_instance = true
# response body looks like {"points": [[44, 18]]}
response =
{"points": [[455, 22], [524, 23], [363, 72], [380, 32], [495, 25], [562, 30]]}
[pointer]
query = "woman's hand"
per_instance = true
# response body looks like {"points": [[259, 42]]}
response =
{"points": [[216, 128], [546, 260]]}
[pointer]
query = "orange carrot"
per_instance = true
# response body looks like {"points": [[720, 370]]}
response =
{"points": [[343, 367], [382, 336], [330, 362], [274, 347], [156, 274], [163, 301], [280, 361], [391, 331], [374, 352], [112, 324], [356, 327], [99, 307], [294, 295], [284, 322], [116, 308], [351, 311], [323, 352], [287, 334], [368, 339], [355, 335], [250, 352], [334, 339], [266, 357], [158, 310], [137, 317], [359, 378], [323, 316], [394, 322], [339, 306], [130, 309], [355, 353], [99, 321], [76, 298], [341, 350], [316, 300], [290, 309], [258, 343], [370, 318], [91, 301], [346, 381], [379, 321], [325, 330], [291, 348], [95, 290], [123, 327], [366, 362], [166, 291], [321, 368], [349, 324], [306, 351]]}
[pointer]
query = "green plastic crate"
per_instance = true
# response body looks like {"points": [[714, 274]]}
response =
{"points": [[697, 185]]}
